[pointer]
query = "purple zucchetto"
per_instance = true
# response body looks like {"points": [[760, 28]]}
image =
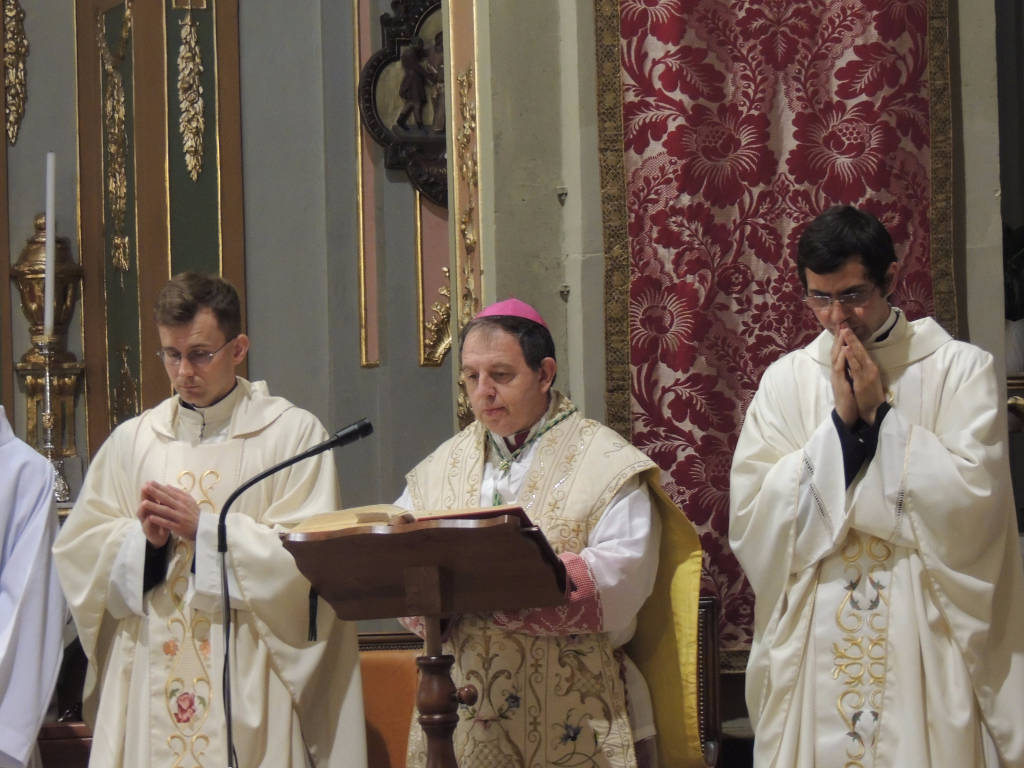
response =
{"points": [[512, 308]]}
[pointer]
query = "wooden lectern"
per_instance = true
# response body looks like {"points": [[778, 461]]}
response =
{"points": [[434, 568]]}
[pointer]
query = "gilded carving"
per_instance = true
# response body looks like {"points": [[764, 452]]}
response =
{"points": [[468, 307], [28, 273], [467, 228], [15, 53], [435, 333], [125, 396], [463, 410], [115, 140], [468, 171], [438, 330], [464, 140], [465, 149], [191, 121]]}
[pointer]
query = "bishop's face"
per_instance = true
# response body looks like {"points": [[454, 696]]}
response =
{"points": [[857, 302], [199, 360], [507, 396]]}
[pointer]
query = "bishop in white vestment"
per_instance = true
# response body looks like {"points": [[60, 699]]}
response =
{"points": [[139, 564], [871, 510], [555, 686], [31, 604]]}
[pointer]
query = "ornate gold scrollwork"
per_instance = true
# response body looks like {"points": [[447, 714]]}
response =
{"points": [[191, 121], [206, 482], [435, 333], [115, 140], [464, 143], [438, 338], [860, 656], [125, 395], [15, 53], [465, 148], [468, 170]]}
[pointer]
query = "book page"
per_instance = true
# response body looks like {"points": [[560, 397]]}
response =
{"points": [[476, 513], [380, 514]]}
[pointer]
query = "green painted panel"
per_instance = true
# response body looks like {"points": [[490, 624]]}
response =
{"points": [[194, 204], [120, 230]]}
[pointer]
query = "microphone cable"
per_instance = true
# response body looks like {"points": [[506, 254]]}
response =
{"points": [[343, 436]]}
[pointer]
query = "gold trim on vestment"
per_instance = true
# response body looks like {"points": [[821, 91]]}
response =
{"points": [[860, 658]]}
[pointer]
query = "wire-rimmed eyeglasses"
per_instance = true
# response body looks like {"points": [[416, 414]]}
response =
{"points": [[197, 358], [848, 300]]}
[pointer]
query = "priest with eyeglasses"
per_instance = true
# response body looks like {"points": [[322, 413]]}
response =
{"points": [[871, 508], [138, 561]]}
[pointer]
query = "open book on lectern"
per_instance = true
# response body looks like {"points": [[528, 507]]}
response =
{"points": [[491, 543], [390, 514]]}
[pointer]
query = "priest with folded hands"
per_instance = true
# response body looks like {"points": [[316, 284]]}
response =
{"points": [[138, 561]]}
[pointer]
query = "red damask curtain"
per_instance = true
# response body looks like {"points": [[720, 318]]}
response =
{"points": [[742, 121]]}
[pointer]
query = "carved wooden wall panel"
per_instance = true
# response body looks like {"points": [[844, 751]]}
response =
{"points": [[160, 174]]}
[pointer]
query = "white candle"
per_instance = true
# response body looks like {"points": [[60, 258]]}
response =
{"points": [[51, 164]]}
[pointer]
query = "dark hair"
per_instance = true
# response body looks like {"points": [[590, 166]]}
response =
{"points": [[839, 234], [181, 298], [534, 339]]}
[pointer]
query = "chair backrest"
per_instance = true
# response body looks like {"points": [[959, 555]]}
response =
{"points": [[709, 715], [388, 666]]}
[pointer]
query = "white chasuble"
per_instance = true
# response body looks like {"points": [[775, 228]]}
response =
{"points": [[889, 616], [153, 692], [31, 604], [544, 698]]}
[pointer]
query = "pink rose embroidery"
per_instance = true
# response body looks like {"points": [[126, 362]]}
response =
{"points": [[186, 707]]}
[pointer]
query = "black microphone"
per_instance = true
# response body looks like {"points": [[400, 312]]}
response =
{"points": [[343, 436], [349, 434]]}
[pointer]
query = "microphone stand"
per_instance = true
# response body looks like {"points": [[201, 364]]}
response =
{"points": [[343, 436]]}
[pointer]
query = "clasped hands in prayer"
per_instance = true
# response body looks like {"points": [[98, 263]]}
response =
{"points": [[856, 380], [164, 510]]}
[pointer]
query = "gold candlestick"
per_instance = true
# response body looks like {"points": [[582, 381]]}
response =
{"points": [[61, 491], [49, 371]]}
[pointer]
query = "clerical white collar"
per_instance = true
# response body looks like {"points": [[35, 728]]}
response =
{"points": [[887, 327], [200, 422]]}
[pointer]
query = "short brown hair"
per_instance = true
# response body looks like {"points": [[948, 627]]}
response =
{"points": [[186, 293]]}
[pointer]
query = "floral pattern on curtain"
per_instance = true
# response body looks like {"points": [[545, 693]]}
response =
{"points": [[742, 121]]}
